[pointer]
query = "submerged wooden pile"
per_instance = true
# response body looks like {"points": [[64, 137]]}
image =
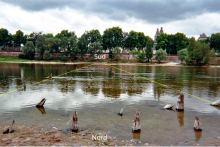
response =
{"points": [[197, 124], [180, 103], [41, 103], [136, 122], [75, 126]]}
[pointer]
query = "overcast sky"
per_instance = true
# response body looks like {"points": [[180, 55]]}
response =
{"points": [[191, 17]]}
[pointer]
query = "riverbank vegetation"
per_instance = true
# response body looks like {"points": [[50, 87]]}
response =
{"points": [[113, 41]]}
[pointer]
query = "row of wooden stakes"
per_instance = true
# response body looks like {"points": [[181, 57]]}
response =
{"points": [[136, 127]]}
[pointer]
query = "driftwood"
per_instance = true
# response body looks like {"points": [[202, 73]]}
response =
{"points": [[136, 122], [169, 106], [216, 103], [180, 103], [197, 124], [41, 109], [121, 112], [9, 129], [180, 117], [75, 126], [41, 103]]}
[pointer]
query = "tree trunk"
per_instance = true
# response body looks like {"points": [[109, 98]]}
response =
{"points": [[75, 126], [180, 103], [41, 103], [136, 122]]}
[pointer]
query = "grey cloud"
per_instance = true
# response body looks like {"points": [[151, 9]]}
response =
{"points": [[151, 11]]}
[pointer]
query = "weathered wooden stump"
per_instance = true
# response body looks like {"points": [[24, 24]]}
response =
{"points": [[24, 86], [41, 103], [75, 126], [197, 124], [136, 122], [91, 76], [121, 112], [180, 103], [8, 129]]}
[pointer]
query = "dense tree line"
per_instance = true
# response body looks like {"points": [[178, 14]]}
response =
{"points": [[94, 43]]}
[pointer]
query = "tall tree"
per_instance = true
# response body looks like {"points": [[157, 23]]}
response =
{"points": [[162, 41], [215, 41], [95, 36], [95, 48], [40, 45], [192, 44], [4, 36], [19, 38], [82, 46], [133, 39], [112, 37], [149, 45], [141, 41], [125, 40], [33, 37]]}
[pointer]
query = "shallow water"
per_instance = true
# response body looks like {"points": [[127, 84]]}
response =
{"points": [[97, 107]]}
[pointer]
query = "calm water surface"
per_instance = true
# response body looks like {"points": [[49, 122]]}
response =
{"points": [[97, 107]]}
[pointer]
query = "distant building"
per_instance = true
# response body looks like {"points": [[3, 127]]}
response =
{"points": [[203, 36], [155, 38]]}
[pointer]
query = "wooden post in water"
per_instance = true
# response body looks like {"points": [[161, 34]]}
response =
{"points": [[180, 103], [41, 103], [197, 124], [136, 122], [121, 112], [75, 126], [89, 85]]}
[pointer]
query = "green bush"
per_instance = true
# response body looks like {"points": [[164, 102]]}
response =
{"points": [[141, 56], [63, 57], [47, 55], [134, 52], [160, 55], [22, 56], [182, 55]]}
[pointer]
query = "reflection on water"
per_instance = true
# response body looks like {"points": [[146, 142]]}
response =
{"points": [[41, 109], [198, 135], [180, 117], [137, 135], [98, 105]]}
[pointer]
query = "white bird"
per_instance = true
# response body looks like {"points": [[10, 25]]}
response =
{"points": [[216, 103], [168, 106]]}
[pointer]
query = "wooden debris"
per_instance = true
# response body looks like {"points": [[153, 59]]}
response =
{"points": [[136, 122], [169, 106], [75, 126], [216, 103], [9, 129], [197, 124], [41, 103], [180, 103], [121, 112]]}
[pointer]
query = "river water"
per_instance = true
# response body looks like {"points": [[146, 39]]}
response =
{"points": [[98, 106]]}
